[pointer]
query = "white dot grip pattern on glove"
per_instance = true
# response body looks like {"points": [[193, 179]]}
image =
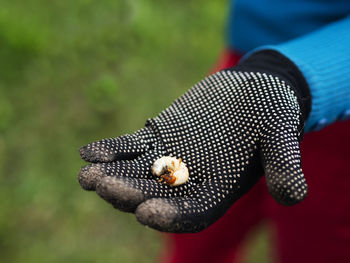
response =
{"points": [[227, 129]]}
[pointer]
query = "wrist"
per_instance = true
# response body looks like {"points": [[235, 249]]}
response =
{"points": [[274, 63]]}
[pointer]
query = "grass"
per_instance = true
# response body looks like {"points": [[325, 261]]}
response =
{"points": [[72, 72]]}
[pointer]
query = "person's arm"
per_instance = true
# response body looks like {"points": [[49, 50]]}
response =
{"points": [[323, 57], [229, 129]]}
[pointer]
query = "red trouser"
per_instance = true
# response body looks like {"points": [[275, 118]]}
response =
{"points": [[316, 230]]}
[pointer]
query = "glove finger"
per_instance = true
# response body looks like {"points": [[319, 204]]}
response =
{"points": [[91, 174], [125, 147], [140, 168], [186, 214], [126, 193], [282, 163]]}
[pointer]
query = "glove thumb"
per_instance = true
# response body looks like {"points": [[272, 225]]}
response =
{"points": [[281, 160]]}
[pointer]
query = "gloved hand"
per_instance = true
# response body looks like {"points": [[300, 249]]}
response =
{"points": [[229, 129]]}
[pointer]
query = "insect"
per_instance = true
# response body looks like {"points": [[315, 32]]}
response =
{"points": [[172, 171]]}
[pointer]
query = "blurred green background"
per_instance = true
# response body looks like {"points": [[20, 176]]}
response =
{"points": [[72, 72]]}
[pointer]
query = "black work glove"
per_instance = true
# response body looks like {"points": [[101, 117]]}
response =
{"points": [[229, 129]]}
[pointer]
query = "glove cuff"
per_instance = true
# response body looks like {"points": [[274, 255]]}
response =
{"points": [[274, 63]]}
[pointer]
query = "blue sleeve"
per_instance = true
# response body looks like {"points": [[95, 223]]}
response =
{"points": [[323, 57]]}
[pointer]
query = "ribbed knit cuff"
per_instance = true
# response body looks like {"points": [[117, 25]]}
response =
{"points": [[323, 57]]}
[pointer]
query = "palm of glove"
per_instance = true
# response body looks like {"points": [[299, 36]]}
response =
{"points": [[228, 129]]}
